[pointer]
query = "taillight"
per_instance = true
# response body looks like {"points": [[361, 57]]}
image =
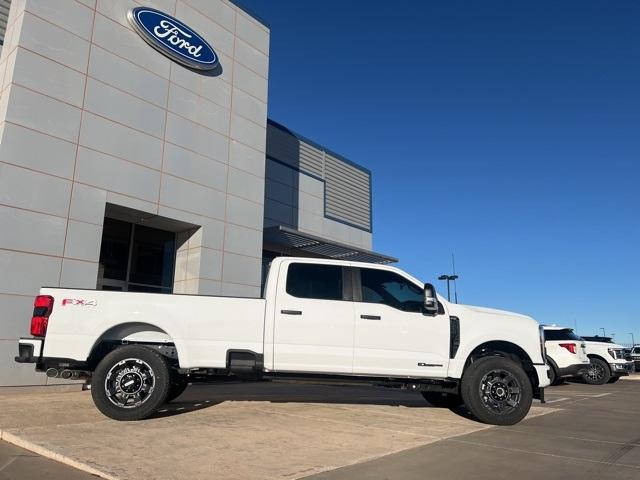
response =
{"points": [[570, 346], [42, 308]]}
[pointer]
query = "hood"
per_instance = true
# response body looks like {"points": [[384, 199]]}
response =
{"points": [[607, 344], [490, 311]]}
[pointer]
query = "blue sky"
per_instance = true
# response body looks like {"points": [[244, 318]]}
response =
{"points": [[505, 132]]}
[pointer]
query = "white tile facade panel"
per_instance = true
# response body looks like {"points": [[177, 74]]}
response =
{"points": [[91, 115], [38, 151], [125, 43], [124, 108], [42, 113], [20, 231], [197, 168], [87, 204], [128, 77], [193, 136], [28, 272], [45, 38], [24, 188], [253, 33], [198, 109], [245, 185], [246, 158], [83, 241], [98, 133], [61, 83], [114, 174], [185, 195], [76, 20], [19, 309], [78, 274]]}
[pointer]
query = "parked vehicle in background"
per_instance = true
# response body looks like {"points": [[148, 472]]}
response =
{"points": [[566, 354], [320, 320], [635, 356], [609, 361]]}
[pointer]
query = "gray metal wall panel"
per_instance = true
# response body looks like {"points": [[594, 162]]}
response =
{"points": [[347, 192]]}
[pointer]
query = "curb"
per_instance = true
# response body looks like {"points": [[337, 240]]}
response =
{"points": [[45, 452]]}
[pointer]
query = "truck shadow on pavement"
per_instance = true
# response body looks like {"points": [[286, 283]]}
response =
{"points": [[201, 396]]}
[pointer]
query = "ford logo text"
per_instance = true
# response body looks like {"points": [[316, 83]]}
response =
{"points": [[173, 38]]}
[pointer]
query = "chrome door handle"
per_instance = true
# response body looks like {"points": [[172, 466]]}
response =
{"points": [[371, 317], [291, 312]]}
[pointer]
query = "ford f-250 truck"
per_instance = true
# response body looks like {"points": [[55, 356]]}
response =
{"points": [[319, 320]]}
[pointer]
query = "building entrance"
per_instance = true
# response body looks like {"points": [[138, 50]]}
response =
{"points": [[136, 258]]}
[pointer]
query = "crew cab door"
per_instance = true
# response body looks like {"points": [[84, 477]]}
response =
{"points": [[314, 319], [393, 336]]}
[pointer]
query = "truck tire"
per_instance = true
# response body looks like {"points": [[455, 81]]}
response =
{"points": [[179, 384], [553, 376], [497, 391], [445, 400], [598, 372], [130, 383]]}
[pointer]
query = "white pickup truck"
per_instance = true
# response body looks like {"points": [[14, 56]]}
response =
{"points": [[320, 320]]}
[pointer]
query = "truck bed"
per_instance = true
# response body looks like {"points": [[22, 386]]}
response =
{"points": [[203, 328]]}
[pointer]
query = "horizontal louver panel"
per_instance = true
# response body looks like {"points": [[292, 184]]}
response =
{"points": [[311, 159], [4, 15], [347, 192]]}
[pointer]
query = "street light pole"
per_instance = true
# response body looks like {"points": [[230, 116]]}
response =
{"points": [[633, 340], [448, 278], [604, 334]]}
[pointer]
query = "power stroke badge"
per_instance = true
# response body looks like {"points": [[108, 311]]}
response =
{"points": [[173, 38]]}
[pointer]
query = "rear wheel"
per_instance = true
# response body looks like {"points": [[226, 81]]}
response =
{"points": [[445, 400], [497, 391], [598, 372], [130, 383]]}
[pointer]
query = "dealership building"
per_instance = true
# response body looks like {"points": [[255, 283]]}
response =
{"points": [[138, 156]]}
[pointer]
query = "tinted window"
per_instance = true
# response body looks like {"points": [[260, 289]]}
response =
{"points": [[380, 286], [306, 280], [561, 335]]}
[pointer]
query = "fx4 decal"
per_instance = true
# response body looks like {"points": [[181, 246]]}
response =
{"points": [[79, 302]]}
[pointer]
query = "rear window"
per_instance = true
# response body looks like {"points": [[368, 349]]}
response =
{"points": [[561, 335], [308, 280]]}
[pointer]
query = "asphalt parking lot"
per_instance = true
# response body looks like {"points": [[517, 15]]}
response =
{"points": [[583, 432]]}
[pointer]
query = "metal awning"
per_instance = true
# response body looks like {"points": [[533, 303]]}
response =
{"points": [[290, 238]]}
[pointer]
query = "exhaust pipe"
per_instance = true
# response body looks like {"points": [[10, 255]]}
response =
{"points": [[66, 374], [52, 372]]}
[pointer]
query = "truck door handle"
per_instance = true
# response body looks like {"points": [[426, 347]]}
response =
{"points": [[291, 312], [371, 317]]}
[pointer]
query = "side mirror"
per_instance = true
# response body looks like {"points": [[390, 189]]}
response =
{"points": [[430, 300]]}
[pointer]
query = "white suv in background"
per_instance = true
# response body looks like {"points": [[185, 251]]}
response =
{"points": [[566, 354], [609, 361]]}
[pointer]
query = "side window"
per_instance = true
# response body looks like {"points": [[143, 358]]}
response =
{"points": [[380, 286], [308, 280]]}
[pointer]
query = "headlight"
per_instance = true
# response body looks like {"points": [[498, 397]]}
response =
{"points": [[612, 352], [543, 349]]}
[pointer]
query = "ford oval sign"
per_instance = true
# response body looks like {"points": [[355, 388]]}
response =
{"points": [[173, 38]]}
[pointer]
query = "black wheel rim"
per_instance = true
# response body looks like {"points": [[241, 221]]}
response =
{"points": [[500, 391], [130, 383], [595, 372]]}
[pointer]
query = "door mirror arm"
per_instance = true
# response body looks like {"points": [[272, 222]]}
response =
{"points": [[430, 300]]}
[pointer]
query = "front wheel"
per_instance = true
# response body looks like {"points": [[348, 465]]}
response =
{"points": [[444, 400], [130, 383], [497, 391], [598, 372]]}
